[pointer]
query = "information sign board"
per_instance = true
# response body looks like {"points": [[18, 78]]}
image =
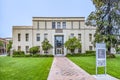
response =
{"points": [[100, 56]]}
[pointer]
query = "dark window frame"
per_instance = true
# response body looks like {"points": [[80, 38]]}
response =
{"points": [[38, 37], [59, 25], [79, 37], [53, 25], [19, 48], [27, 49], [90, 37], [64, 25], [27, 37], [45, 35], [19, 37]]}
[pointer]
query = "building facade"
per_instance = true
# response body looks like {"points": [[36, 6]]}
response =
{"points": [[3, 45], [57, 30]]}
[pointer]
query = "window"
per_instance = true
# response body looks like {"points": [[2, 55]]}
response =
{"points": [[79, 50], [90, 48], [90, 37], [64, 25], [79, 37], [27, 37], [45, 36], [58, 25], [38, 37], [27, 49], [19, 48], [72, 35], [19, 37], [53, 25]]}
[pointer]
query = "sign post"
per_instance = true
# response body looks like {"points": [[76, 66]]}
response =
{"points": [[100, 56]]}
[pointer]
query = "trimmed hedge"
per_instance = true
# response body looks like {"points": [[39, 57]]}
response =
{"points": [[90, 52], [79, 54], [18, 53], [35, 55]]}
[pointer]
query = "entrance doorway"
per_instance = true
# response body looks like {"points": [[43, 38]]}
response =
{"points": [[59, 45]]}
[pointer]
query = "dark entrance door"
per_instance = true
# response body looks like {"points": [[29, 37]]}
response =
{"points": [[59, 44]]}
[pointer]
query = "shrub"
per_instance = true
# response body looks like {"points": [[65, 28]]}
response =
{"points": [[111, 56], [46, 55], [118, 50], [39, 55], [80, 54], [36, 55], [34, 50], [18, 53], [42, 55], [28, 55], [90, 52]]}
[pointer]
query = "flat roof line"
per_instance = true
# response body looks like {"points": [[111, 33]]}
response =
{"points": [[58, 17]]}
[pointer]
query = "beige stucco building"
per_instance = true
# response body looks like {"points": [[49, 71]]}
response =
{"points": [[57, 30]]}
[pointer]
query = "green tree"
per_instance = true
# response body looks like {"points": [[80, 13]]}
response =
{"points": [[46, 45], [106, 17], [72, 44], [9, 46], [34, 50], [1, 44]]}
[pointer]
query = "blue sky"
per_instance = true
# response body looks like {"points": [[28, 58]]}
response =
{"points": [[20, 12]]}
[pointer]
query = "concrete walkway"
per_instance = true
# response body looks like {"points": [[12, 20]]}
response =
{"points": [[104, 77], [63, 69], [3, 55]]}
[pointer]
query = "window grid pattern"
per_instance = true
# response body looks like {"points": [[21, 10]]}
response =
{"points": [[79, 37], [38, 37], [45, 36], [19, 37], [90, 37], [27, 37], [64, 25], [19, 48], [53, 25], [27, 49], [58, 25]]}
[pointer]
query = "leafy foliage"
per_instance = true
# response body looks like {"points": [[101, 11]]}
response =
{"points": [[1, 43], [34, 50], [106, 17], [18, 53], [72, 44], [9, 46], [46, 45]]}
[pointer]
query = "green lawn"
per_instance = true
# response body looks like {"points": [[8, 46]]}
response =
{"points": [[24, 68], [88, 64]]}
